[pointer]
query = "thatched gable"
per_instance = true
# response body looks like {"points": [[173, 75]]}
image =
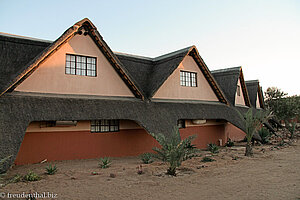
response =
{"points": [[255, 90], [228, 79], [84, 26], [151, 73]]}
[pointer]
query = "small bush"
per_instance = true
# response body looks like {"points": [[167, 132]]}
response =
{"points": [[105, 162], [291, 127], [213, 148], [146, 158], [50, 170], [173, 149], [207, 159], [31, 176], [229, 143], [265, 135]]}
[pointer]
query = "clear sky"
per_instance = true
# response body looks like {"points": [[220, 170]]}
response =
{"points": [[262, 36]]}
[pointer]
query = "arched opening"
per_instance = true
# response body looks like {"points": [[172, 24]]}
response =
{"points": [[68, 140]]}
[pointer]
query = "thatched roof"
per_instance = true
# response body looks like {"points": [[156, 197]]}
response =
{"points": [[228, 80], [18, 109], [15, 53], [84, 26], [254, 89], [151, 73]]}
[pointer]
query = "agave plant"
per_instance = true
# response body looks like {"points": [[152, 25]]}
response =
{"points": [[174, 150], [105, 162]]}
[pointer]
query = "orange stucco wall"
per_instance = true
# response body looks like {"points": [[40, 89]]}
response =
{"points": [[171, 88], [50, 76], [205, 135], [239, 100], [234, 133], [68, 145]]}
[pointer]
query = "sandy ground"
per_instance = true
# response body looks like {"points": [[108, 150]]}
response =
{"points": [[271, 174]]}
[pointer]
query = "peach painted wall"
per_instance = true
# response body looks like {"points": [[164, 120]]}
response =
{"points": [[205, 135], [257, 101], [50, 76], [81, 126], [171, 88], [234, 133], [239, 100]]}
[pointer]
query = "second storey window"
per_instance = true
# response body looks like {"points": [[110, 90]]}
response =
{"points": [[80, 65], [188, 79], [104, 125], [238, 90]]}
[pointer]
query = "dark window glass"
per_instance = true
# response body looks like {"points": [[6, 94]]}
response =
{"points": [[104, 125], [181, 123], [238, 90]]}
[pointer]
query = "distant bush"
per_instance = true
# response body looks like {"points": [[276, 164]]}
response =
{"points": [[229, 143], [207, 159], [146, 158], [105, 162], [265, 135], [50, 170], [31, 176], [291, 127], [213, 148]]}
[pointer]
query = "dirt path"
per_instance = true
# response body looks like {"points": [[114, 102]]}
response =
{"points": [[269, 175]]}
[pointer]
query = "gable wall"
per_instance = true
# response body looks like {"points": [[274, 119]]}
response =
{"points": [[239, 100], [257, 101], [171, 88], [50, 76]]}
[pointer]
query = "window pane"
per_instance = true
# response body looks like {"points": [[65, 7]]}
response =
{"points": [[68, 70], [68, 57]]}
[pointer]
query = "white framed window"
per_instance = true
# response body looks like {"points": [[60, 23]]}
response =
{"points": [[188, 79], [105, 125], [81, 65]]}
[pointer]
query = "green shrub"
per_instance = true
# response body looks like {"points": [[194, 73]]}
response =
{"points": [[50, 170], [229, 143], [174, 150], [105, 162], [31, 176], [146, 158], [213, 148], [291, 127], [207, 159], [265, 135], [2, 163]]}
